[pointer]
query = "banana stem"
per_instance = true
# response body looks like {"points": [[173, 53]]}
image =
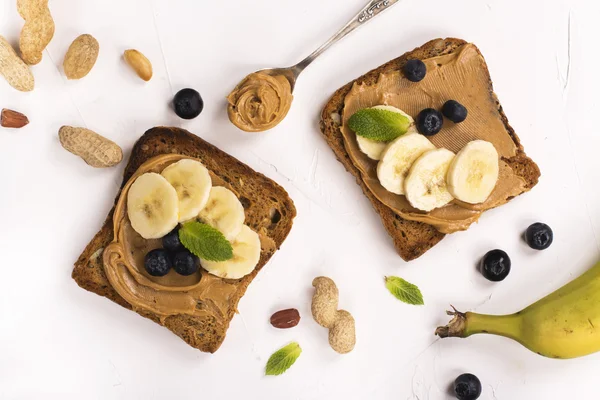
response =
{"points": [[466, 324]]}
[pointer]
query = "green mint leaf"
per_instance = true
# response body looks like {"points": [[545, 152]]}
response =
{"points": [[378, 125], [404, 291], [282, 359], [205, 241]]}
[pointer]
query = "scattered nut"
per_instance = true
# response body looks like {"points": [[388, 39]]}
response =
{"points": [[342, 336], [81, 57], [37, 31], [342, 332], [95, 150], [140, 64], [325, 301], [285, 318], [14, 70], [12, 119]]}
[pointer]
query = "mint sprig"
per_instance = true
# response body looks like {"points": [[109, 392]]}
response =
{"points": [[404, 291], [378, 125], [205, 241], [282, 359]]}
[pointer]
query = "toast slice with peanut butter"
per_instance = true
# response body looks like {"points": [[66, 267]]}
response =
{"points": [[456, 70], [205, 308]]}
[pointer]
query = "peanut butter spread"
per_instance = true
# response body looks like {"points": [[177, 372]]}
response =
{"points": [[200, 294], [259, 102], [460, 76]]}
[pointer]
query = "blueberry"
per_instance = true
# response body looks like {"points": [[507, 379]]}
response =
{"points": [[188, 103], [157, 262], [495, 265], [429, 122], [467, 387], [185, 263], [171, 240], [454, 111], [414, 70], [539, 236]]}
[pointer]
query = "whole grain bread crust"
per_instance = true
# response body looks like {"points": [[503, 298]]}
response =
{"points": [[269, 210], [411, 239]]}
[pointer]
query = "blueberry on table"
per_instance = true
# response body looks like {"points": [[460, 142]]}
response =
{"points": [[157, 262], [539, 236], [467, 387], [495, 265], [429, 122], [185, 263], [414, 70], [454, 111], [171, 240], [188, 103]]}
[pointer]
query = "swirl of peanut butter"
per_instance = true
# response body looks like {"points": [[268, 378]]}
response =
{"points": [[462, 73], [200, 294], [259, 102]]}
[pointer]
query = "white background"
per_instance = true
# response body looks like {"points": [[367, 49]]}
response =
{"points": [[59, 341]]}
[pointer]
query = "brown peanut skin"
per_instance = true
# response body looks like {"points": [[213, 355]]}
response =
{"points": [[285, 319], [12, 119], [94, 149], [341, 325]]}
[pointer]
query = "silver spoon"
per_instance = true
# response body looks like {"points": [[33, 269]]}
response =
{"points": [[365, 15]]}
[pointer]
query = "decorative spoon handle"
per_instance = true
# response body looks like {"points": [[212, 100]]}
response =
{"points": [[372, 9]]}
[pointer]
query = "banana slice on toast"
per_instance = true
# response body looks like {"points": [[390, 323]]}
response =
{"points": [[246, 254], [425, 185], [224, 212], [192, 182], [152, 206], [473, 173], [375, 149], [398, 157]]}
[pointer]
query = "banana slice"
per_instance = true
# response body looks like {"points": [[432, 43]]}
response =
{"points": [[246, 254], [397, 159], [192, 182], [473, 173], [425, 185], [375, 149], [370, 147], [152, 206], [224, 212]]}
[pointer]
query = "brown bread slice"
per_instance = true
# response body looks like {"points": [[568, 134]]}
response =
{"points": [[411, 239], [269, 210]]}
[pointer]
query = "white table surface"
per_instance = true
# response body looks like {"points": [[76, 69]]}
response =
{"points": [[59, 341]]}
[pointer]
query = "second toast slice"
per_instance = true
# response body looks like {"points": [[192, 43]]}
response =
{"points": [[412, 238]]}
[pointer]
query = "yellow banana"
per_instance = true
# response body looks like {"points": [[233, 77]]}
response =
{"points": [[564, 324]]}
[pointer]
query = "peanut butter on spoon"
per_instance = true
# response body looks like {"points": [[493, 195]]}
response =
{"points": [[259, 102], [263, 98]]}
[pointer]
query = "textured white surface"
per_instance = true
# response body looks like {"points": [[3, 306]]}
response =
{"points": [[58, 341]]}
